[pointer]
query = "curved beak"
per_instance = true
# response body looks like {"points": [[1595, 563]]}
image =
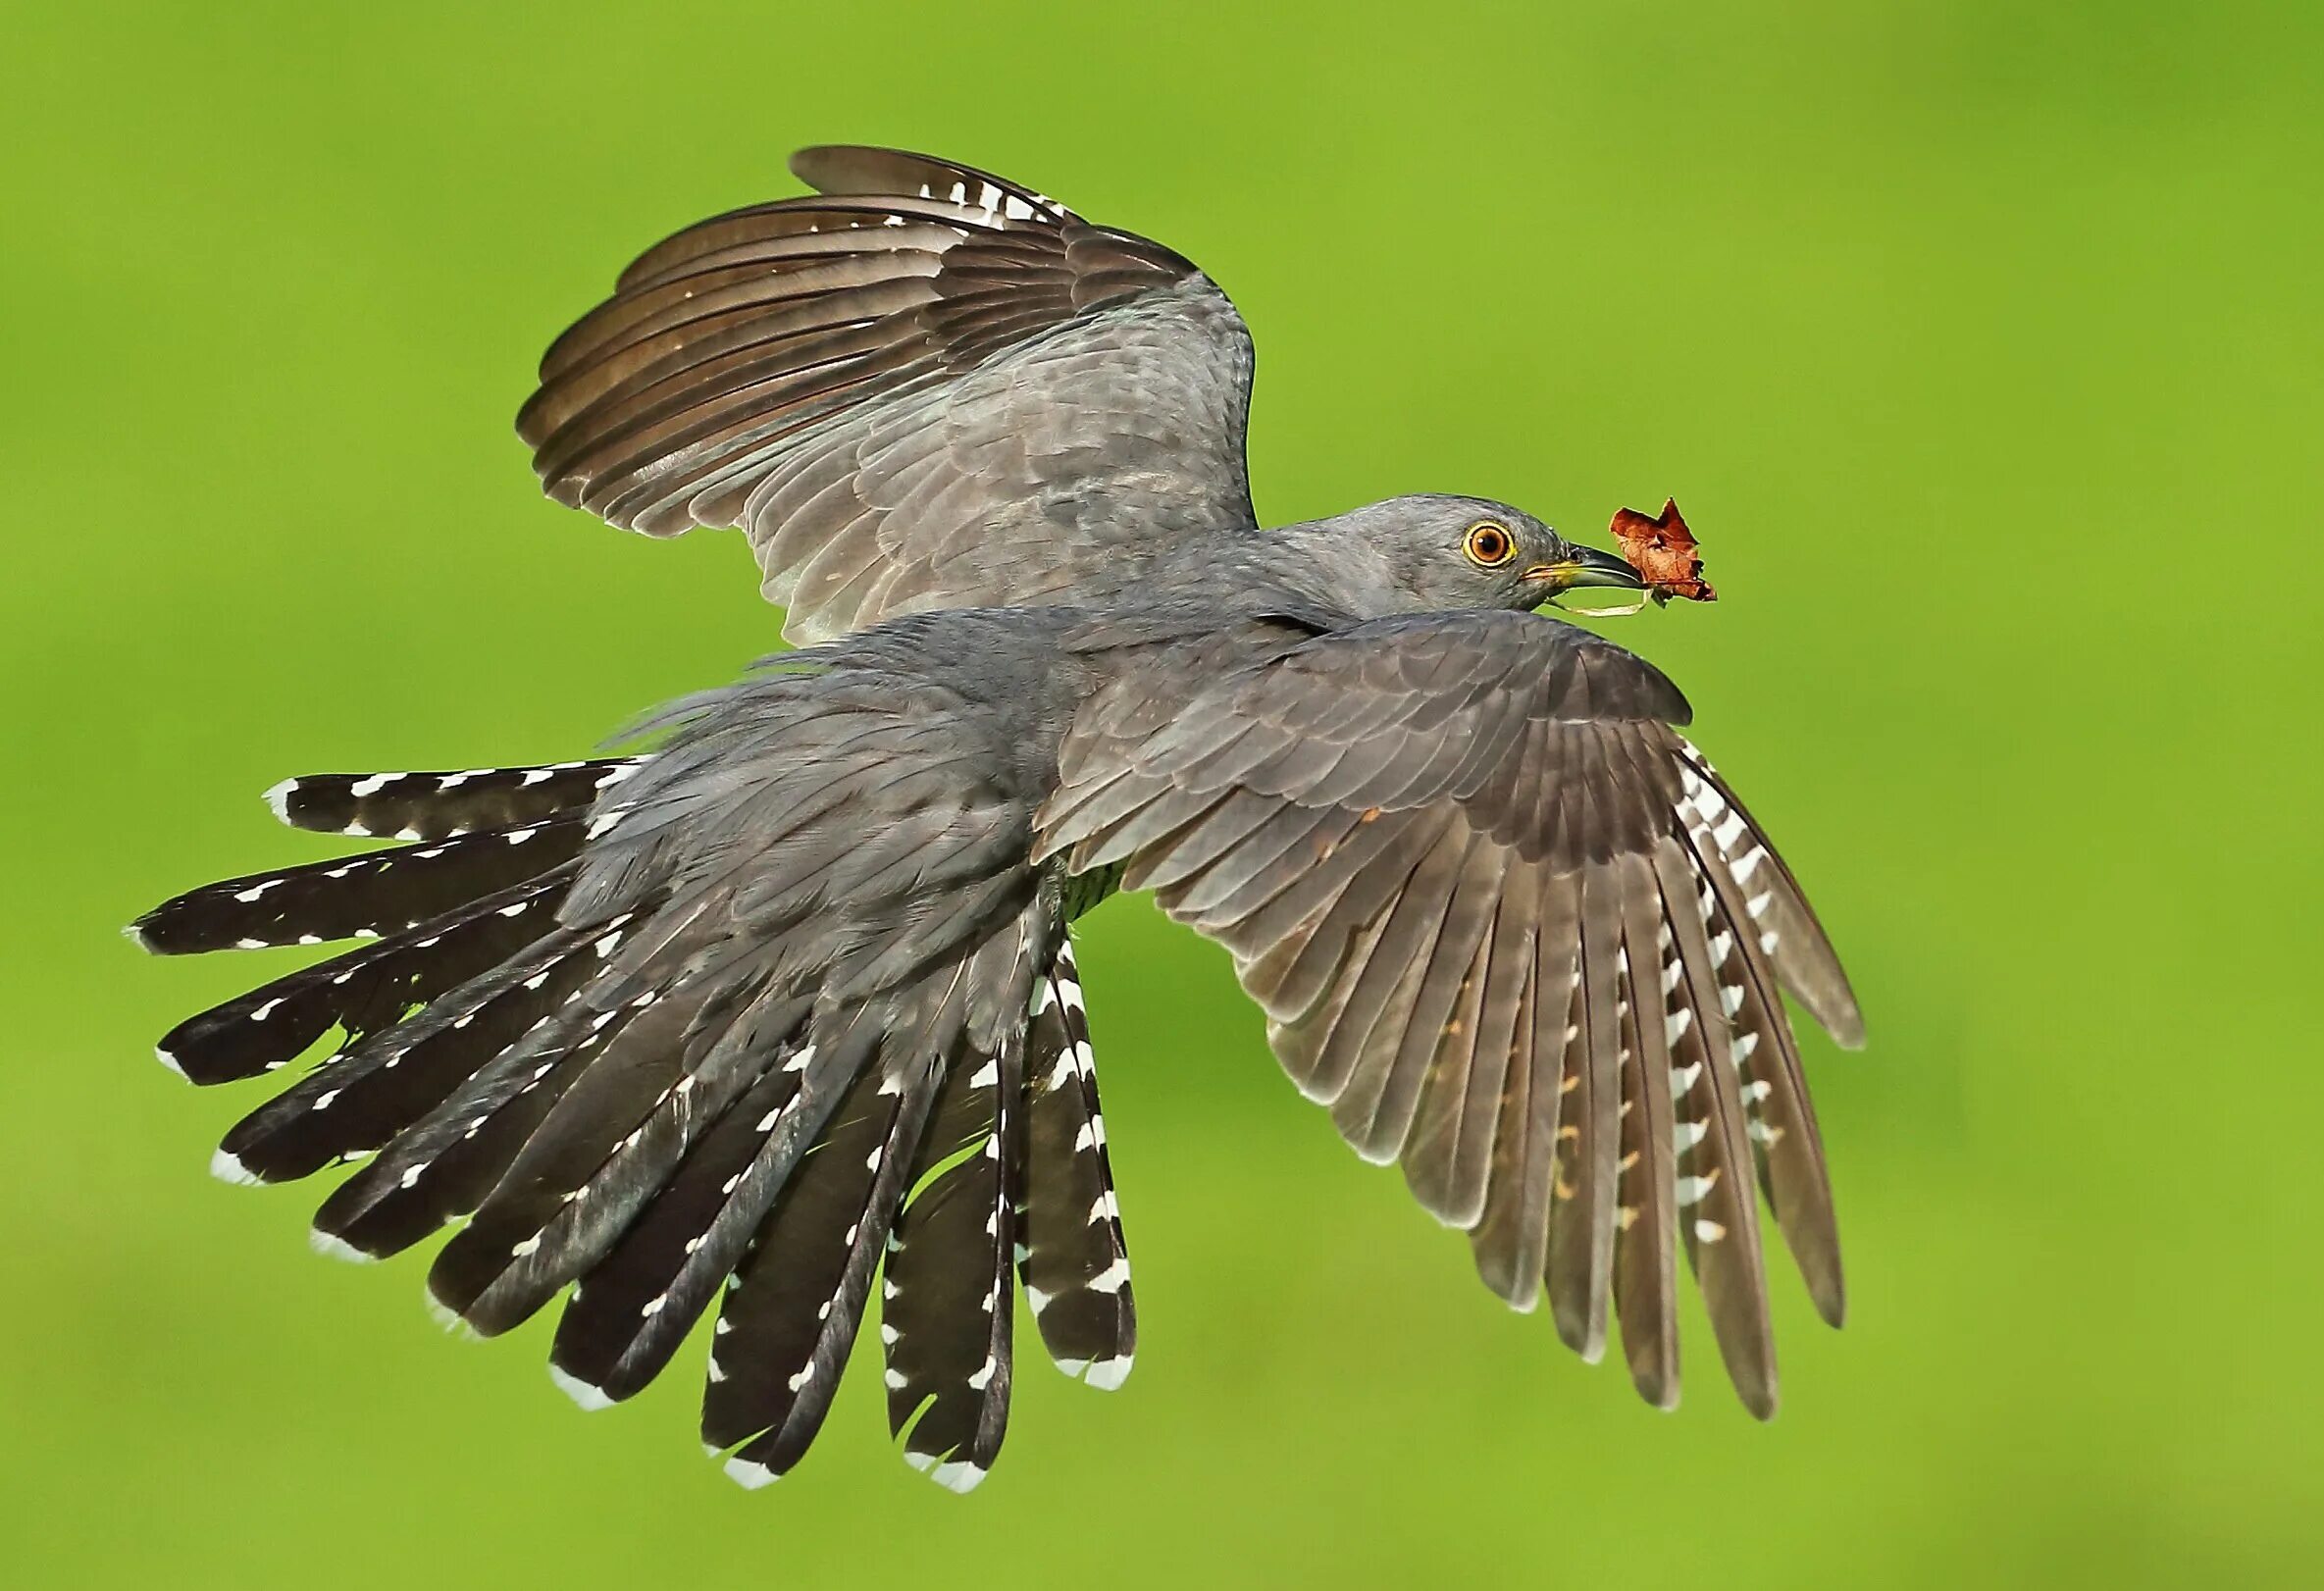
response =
{"points": [[1588, 567]]}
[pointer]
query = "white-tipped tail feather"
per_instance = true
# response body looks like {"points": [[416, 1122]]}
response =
{"points": [[227, 1167], [336, 1248], [748, 1473], [581, 1392]]}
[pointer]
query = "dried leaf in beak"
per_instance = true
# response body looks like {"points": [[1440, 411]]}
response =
{"points": [[1664, 552]]}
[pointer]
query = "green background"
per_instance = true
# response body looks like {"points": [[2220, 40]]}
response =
{"points": [[1981, 342]]}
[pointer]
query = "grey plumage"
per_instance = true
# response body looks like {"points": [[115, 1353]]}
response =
{"points": [[791, 992]]}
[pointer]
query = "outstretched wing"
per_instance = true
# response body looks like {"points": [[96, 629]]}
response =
{"points": [[925, 388], [1517, 933]]}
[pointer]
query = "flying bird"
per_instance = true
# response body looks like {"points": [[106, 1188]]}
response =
{"points": [[784, 1004]]}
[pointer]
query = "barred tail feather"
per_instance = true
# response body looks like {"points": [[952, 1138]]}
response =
{"points": [[1076, 1268], [436, 806], [795, 1307], [947, 1300], [357, 1100], [387, 891], [363, 991], [619, 1330], [446, 1163], [608, 1146]]}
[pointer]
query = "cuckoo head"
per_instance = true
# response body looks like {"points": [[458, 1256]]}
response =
{"points": [[1437, 553]]}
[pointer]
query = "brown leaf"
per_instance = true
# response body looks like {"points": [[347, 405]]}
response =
{"points": [[1662, 550]]}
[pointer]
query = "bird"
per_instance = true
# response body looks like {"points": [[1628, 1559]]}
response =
{"points": [[776, 998]]}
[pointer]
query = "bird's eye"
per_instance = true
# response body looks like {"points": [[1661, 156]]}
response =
{"points": [[1489, 546]]}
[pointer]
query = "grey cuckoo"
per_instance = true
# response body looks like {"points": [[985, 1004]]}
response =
{"points": [[786, 1000]]}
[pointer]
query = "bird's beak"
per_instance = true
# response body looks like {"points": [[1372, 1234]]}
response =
{"points": [[1588, 567]]}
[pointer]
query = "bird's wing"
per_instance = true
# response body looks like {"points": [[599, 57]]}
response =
{"points": [[924, 387], [1517, 933]]}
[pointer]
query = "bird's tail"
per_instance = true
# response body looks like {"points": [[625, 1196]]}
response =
{"points": [[637, 1103]]}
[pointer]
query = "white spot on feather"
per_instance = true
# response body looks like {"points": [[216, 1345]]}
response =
{"points": [[957, 1475], [581, 1392], [334, 1247], [750, 1474]]}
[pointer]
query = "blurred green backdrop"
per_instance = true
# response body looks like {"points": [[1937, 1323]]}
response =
{"points": [[1980, 338]]}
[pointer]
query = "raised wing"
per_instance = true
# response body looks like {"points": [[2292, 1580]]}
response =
{"points": [[927, 387], [1517, 933]]}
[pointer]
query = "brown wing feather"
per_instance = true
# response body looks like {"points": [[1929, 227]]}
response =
{"points": [[926, 386]]}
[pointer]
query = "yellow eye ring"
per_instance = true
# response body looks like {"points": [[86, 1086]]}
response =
{"points": [[1489, 544]]}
